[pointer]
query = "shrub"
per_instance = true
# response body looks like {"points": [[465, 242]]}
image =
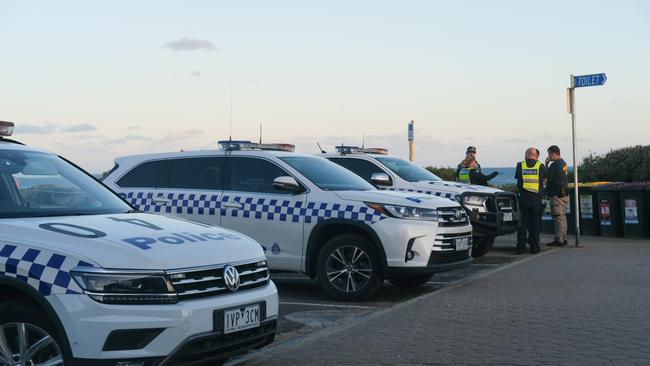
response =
{"points": [[629, 164], [444, 173]]}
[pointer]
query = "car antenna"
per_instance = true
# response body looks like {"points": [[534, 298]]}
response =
{"points": [[260, 133], [231, 87], [363, 141], [342, 124], [321, 149]]}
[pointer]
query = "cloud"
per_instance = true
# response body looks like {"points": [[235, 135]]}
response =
{"points": [[49, 128], [137, 138], [43, 129], [196, 73], [82, 127], [190, 44]]}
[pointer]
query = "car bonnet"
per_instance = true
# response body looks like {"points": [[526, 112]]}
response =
{"points": [[131, 241]]}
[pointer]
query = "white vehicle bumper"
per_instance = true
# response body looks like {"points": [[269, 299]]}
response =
{"points": [[88, 324], [424, 239]]}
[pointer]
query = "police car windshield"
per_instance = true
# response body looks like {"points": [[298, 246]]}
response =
{"points": [[408, 171], [326, 175], [35, 184]]}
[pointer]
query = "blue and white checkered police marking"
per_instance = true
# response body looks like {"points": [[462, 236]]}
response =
{"points": [[254, 208], [451, 196], [47, 272]]}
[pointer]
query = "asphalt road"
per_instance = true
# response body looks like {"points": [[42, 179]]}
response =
{"points": [[305, 309]]}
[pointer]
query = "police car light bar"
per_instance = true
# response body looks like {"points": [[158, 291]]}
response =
{"points": [[6, 128], [375, 150], [344, 149], [248, 145]]}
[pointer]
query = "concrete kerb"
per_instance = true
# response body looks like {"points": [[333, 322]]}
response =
{"points": [[264, 353]]}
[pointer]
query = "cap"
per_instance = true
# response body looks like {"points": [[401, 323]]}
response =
{"points": [[470, 149]]}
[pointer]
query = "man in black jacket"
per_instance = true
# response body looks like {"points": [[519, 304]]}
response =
{"points": [[530, 177], [558, 194]]}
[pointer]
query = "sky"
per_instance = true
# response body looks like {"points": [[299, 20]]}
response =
{"points": [[94, 80]]}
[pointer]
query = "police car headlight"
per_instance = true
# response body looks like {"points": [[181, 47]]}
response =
{"points": [[126, 288], [405, 212]]}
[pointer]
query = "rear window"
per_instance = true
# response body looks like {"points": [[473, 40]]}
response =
{"points": [[152, 174], [197, 173]]}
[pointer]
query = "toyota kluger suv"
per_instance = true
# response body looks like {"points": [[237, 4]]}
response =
{"points": [[310, 214], [492, 211]]}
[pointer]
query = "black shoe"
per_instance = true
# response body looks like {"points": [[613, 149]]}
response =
{"points": [[565, 243], [535, 251], [554, 243], [520, 251]]}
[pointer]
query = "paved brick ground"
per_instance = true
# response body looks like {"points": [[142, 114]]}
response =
{"points": [[570, 306]]}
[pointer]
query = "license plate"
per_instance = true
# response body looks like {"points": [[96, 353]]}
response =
{"points": [[245, 317], [461, 243], [507, 216]]}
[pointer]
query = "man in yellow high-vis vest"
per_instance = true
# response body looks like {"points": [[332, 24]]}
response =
{"points": [[530, 175]]}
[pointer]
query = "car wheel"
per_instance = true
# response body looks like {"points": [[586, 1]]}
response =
{"points": [[349, 268], [28, 338], [481, 246], [411, 281]]}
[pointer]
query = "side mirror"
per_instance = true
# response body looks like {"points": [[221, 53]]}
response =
{"points": [[380, 179], [287, 183]]}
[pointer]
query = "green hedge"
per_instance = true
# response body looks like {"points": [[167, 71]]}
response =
{"points": [[444, 173], [629, 164]]}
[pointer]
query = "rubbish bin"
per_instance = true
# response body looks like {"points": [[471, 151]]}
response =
{"points": [[589, 220], [547, 218], [609, 211], [634, 206]]}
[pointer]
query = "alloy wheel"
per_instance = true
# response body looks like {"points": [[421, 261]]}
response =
{"points": [[23, 344], [349, 268]]}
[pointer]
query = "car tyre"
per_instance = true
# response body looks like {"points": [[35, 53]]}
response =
{"points": [[349, 268], [42, 343], [481, 246]]}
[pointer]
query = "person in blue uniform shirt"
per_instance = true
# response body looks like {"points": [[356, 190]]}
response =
{"points": [[558, 194], [530, 175]]}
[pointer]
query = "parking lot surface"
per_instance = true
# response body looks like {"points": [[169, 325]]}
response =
{"points": [[565, 306]]}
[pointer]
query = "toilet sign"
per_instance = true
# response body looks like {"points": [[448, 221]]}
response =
{"points": [[581, 81]]}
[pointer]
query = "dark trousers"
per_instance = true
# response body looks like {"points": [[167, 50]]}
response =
{"points": [[530, 223]]}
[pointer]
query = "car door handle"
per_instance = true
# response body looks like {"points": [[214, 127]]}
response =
{"points": [[161, 201], [234, 205]]}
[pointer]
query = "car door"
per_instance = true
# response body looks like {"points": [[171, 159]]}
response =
{"points": [[363, 168], [194, 189], [252, 206]]}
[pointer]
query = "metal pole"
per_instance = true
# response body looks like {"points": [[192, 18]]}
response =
{"points": [[411, 140], [575, 164]]}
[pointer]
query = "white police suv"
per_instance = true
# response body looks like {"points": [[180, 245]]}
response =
{"points": [[310, 214], [87, 280], [492, 211]]}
